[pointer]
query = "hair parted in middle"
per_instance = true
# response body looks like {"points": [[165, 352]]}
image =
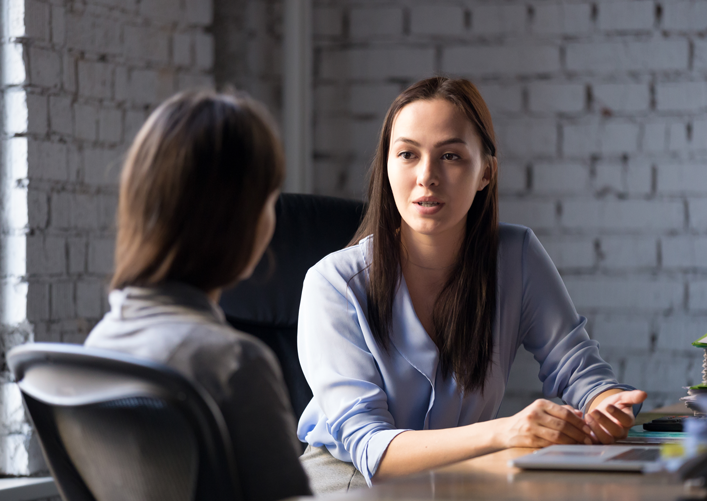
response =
{"points": [[464, 312]]}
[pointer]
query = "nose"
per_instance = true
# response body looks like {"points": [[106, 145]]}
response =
{"points": [[427, 174]]}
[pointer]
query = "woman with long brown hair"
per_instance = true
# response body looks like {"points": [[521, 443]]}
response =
{"points": [[195, 214], [408, 335]]}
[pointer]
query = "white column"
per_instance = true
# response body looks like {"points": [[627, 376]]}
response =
{"points": [[297, 95]]}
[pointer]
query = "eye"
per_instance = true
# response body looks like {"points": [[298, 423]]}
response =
{"points": [[406, 155], [450, 156]]}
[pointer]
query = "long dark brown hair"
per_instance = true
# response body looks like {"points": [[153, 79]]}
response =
{"points": [[193, 186], [464, 311]]}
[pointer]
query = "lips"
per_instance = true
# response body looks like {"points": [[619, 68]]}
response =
{"points": [[428, 205]]}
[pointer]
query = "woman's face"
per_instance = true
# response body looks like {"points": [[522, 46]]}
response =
{"points": [[435, 166], [263, 234]]}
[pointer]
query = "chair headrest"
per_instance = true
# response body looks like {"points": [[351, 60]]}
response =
{"points": [[308, 228]]}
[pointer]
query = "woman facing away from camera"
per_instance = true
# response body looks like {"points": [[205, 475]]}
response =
{"points": [[195, 214], [407, 336]]}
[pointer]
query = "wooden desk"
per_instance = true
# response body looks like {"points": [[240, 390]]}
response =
{"points": [[490, 478]]}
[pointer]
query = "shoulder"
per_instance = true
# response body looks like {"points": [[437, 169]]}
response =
{"points": [[344, 268], [513, 238]]}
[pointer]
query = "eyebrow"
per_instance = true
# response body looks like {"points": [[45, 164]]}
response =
{"points": [[451, 140]]}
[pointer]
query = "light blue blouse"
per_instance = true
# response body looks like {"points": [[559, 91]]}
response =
{"points": [[365, 396]]}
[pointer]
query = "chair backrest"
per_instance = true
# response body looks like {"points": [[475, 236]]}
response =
{"points": [[267, 305], [114, 427]]}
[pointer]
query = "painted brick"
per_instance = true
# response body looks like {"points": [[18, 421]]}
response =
{"points": [[697, 293], [61, 115], [101, 166], [161, 11], [438, 20], [565, 178], [110, 125], [699, 135], [45, 255], [663, 371], [91, 33], [62, 300], [108, 207], [37, 114], [47, 160], [655, 137], [678, 332], [372, 99], [626, 16], [621, 332], [593, 137], [682, 96], [684, 15], [622, 214], [527, 59], [624, 295], [37, 209], [700, 54], [204, 50], [627, 252], [58, 24], [37, 301], [682, 178], [677, 137], [85, 121], [68, 63], [146, 42], [558, 19], [608, 177], [77, 255], [367, 22], [377, 63], [557, 97], [639, 179], [624, 97], [181, 49], [45, 68], [536, 214], [622, 56], [36, 20], [16, 112], [570, 252], [685, 252], [498, 19], [328, 21], [502, 98], [697, 209], [199, 13], [95, 79], [198, 81], [527, 136], [142, 86], [512, 177], [133, 121], [88, 299], [333, 99], [100, 256]]}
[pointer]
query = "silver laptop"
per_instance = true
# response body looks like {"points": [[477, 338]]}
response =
{"points": [[592, 457]]}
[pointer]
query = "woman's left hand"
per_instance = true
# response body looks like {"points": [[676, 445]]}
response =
{"points": [[611, 414]]}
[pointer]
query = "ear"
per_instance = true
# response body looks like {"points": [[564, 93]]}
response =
{"points": [[489, 172]]}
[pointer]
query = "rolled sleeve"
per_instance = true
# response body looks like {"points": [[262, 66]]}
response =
{"points": [[350, 415], [570, 365]]}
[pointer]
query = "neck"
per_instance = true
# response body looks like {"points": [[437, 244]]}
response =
{"points": [[436, 252], [214, 295]]}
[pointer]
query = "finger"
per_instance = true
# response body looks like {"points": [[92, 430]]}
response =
{"points": [[608, 424], [624, 418], [578, 436], [555, 435], [599, 433], [569, 416]]}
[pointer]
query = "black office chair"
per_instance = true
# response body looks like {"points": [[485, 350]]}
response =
{"points": [[113, 427], [267, 305]]}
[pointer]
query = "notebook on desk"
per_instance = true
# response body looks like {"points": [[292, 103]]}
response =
{"points": [[591, 457]]}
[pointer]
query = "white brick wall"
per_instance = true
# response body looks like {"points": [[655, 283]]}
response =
{"points": [[87, 75], [600, 110]]}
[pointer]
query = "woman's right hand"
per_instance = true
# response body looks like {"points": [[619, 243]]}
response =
{"points": [[544, 423]]}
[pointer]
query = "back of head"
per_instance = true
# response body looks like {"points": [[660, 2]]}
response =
{"points": [[193, 186]]}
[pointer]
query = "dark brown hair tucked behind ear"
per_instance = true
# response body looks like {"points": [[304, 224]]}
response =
{"points": [[192, 189], [464, 312]]}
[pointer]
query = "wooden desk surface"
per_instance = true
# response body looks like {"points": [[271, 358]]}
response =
{"points": [[490, 478]]}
